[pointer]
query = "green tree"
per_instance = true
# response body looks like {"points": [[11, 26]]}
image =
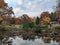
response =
{"points": [[37, 20], [25, 22], [31, 25], [26, 26]]}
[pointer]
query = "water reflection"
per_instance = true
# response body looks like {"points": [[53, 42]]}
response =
{"points": [[29, 38], [19, 41]]}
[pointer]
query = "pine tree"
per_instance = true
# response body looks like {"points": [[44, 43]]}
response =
{"points": [[37, 20]]}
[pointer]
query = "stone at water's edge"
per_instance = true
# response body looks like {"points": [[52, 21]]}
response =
{"points": [[58, 39], [47, 39]]}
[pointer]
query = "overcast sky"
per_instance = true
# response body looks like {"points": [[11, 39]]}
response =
{"points": [[31, 7]]}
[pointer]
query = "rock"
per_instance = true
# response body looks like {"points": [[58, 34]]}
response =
{"points": [[47, 39]]}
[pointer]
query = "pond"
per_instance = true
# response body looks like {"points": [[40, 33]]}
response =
{"points": [[29, 38], [18, 40]]}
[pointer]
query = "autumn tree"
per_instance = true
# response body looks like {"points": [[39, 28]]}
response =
{"points": [[58, 11], [34, 20], [5, 10], [25, 21], [18, 21], [56, 14], [45, 17], [1, 19]]}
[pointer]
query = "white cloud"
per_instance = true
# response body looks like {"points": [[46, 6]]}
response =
{"points": [[32, 14], [17, 10], [31, 7], [28, 4], [35, 5], [19, 2], [41, 5]]}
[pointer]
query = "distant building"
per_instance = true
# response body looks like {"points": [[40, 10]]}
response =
{"points": [[54, 24]]}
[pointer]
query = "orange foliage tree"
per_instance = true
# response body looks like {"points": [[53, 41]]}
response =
{"points": [[45, 17], [18, 21]]}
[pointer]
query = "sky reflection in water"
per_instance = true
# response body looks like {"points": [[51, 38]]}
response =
{"points": [[20, 41]]}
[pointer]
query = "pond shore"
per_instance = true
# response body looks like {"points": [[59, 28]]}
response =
{"points": [[47, 35]]}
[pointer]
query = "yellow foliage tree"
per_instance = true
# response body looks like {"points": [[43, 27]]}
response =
{"points": [[1, 18], [34, 20], [46, 19]]}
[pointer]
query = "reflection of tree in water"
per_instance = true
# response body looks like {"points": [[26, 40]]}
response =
{"points": [[32, 36]]}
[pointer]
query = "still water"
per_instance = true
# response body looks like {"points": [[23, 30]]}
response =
{"points": [[38, 41]]}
